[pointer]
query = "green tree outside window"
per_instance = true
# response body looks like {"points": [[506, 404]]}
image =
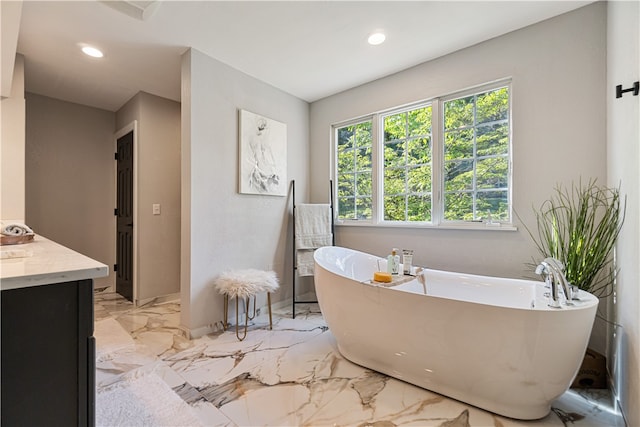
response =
{"points": [[354, 151]]}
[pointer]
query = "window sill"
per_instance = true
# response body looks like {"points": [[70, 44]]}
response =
{"points": [[471, 226]]}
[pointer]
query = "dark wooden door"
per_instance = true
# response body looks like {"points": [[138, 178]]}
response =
{"points": [[124, 213]]}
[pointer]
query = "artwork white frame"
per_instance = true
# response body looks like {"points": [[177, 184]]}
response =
{"points": [[262, 155]]}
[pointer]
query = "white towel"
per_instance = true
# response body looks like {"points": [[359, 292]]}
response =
{"points": [[305, 262], [313, 230], [16, 230], [313, 226]]}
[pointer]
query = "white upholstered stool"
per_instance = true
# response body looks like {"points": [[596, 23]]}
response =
{"points": [[246, 284]]}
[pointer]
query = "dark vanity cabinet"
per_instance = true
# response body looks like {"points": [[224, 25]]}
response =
{"points": [[48, 355]]}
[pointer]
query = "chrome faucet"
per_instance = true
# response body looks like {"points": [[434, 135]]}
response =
{"points": [[553, 272], [420, 275]]}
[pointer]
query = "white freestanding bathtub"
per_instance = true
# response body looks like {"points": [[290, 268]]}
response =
{"points": [[491, 342]]}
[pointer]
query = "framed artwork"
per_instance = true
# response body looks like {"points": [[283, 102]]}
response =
{"points": [[263, 155]]}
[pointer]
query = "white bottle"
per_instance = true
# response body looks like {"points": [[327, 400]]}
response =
{"points": [[393, 262], [407, 260]]}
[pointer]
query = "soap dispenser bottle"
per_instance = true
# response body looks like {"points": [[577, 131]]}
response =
{"points": [[393, 262]]}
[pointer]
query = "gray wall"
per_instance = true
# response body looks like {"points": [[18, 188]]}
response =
{"points": [[222, 229], [558, 73], [12, 155], [70, 183], [158, 178], [623, 137], [70, 176]]}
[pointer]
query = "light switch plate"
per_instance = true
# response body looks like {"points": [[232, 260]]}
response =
{"points": [[156, 209]]}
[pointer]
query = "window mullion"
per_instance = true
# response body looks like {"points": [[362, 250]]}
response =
{"points": [[437, 162], [474, 184], [377, 156]]}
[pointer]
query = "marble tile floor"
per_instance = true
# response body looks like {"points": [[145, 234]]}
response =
{"points": [[295, 376]]}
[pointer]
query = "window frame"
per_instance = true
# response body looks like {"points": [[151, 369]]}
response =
{"points": [[334, 168], [437, 161]]}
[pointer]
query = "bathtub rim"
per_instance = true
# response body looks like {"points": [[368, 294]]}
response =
{"points": [[585, 301]]}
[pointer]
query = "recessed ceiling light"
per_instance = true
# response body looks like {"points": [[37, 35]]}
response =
{"points": [[376, 38], [92, 51]]}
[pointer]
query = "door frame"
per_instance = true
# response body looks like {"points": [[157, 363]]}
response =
{"points": [[131, 127]]}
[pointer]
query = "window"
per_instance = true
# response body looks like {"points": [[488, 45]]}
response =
{"points": [[355, 190], [476, 156], [445, 161], [407, 165]]}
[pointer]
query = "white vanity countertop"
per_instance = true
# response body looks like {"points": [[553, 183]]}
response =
{"points": [[42, 262]]}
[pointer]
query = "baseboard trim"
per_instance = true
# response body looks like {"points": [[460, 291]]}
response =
{"points": [[214, 328], [217, 327], [158, 300], [104, 289], [616, 397]]}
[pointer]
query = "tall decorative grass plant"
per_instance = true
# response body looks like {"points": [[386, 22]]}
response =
{"points": [[579, 227]]}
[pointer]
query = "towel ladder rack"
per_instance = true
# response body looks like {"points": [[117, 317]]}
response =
{"points": [[294, 252]]}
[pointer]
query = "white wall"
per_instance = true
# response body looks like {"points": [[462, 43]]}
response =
{"points": [[70, 176], [558, 74], [12, 111], [623, 137], [158, 164], [222, 229]]}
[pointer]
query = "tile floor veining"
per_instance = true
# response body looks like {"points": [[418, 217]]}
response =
{"points": [[294, 375]]}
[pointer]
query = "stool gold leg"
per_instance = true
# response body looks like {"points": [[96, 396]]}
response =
{"points": [[254, 307], [269, 302], [246, 320]]}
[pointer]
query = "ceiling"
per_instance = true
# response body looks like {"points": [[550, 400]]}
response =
{"points": [[308, 49]]}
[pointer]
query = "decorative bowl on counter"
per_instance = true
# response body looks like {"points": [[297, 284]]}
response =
{"points": [[15, 240]]}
